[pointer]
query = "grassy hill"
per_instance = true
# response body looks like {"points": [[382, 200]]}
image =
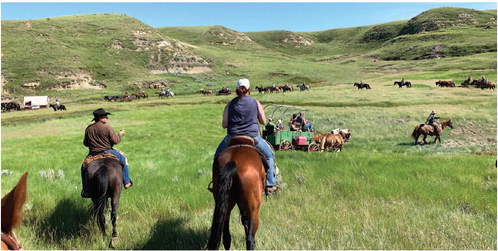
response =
{"points": [[106, 49], [74, 55]]}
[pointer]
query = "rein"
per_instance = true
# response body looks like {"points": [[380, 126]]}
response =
{"points": [[11, 241]]}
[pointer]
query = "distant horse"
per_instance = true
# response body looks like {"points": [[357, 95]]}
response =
{"points": [[111, 98], [488, 85], [362, 85], [317, 137], [166, 94], [334, 140], [140, 95], [262, 89], [428, 130], [207, 91], [105, 180], [7, 106], [406, 83], [224, 91], [484, 84], [238, 178], [286, 88], [303, 87], [444, 83], [12, 213], [60, 107]]}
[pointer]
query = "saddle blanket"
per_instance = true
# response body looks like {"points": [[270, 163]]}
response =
{"points": [[88, 159]]}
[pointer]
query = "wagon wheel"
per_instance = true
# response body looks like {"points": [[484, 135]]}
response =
{"points": [[313, 147], [286, 145]]}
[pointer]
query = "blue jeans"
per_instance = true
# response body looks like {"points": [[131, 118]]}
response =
{"points": [[264, 148], [122, 159]]}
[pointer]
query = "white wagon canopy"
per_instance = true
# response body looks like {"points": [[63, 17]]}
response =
{"points": [[35, 102]]}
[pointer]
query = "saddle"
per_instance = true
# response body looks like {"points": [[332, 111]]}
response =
{"points": [[88, 159], [241, 140]]}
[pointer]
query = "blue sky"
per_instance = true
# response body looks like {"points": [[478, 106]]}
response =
{"points": [[241, 16]]}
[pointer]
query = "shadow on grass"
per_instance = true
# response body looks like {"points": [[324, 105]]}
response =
{"points": [[172, 234], [407, 144], [68, 221]]}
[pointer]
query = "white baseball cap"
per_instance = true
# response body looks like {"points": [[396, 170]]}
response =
{"points": [[243, 82]]}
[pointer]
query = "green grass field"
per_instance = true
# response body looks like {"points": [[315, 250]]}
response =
{"points": [[381, 192]]}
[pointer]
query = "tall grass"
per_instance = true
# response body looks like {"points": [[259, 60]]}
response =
{"points": [[381, 192]]}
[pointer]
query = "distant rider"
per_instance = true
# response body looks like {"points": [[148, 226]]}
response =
{"points": [[430, 121]]}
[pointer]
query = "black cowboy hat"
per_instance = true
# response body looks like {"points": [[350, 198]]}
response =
{"points": [[97, 114]]}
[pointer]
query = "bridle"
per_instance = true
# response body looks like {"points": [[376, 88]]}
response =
{"points": [[10, 240]]}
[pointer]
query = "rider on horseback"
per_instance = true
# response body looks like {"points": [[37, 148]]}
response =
{"points": [[100, 138], [430, 121], [241, 117]]}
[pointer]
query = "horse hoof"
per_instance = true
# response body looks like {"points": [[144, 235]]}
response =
{"points": [[113, 242]]}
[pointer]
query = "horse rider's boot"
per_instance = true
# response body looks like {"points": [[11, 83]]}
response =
{"points": [[84, 192]]}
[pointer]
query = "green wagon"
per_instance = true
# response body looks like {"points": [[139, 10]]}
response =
{"points": [[285, 139]]}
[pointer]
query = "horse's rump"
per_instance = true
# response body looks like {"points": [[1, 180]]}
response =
{"points": [[238, 178]]}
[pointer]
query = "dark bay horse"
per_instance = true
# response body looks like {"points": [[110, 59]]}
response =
{"points": [[12, 204], [362, 85], [428, 130], [60, 107], [238, 179], [105, 180], [406, 83]]}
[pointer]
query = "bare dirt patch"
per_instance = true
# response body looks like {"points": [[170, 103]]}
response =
{"points": [[79, 80]]}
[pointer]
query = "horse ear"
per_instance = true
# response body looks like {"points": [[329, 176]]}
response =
{"points": [[12, 205]]}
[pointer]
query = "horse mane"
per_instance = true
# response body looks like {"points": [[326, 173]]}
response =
{"points": [[12, 205]]}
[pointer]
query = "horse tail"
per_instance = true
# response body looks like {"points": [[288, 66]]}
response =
{"points": [[415, 132], [227, 175], [99, 205]]}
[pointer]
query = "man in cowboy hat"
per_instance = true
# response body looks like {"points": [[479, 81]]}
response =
{"points": [[430, 121], [100, 138]]}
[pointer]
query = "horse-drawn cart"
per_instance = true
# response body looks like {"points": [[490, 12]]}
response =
{"points": [[285, 139]]}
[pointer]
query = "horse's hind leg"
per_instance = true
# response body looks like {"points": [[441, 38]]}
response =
{"points": [[114, 212], [227, 238], [250, 220]]}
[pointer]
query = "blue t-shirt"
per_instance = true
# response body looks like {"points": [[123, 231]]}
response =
{"points": [[243, 117]]}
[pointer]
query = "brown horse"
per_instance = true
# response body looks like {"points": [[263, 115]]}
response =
{"points": [[238, 178], [12, 213], [428, 130], [105, 180], [335, 140]]}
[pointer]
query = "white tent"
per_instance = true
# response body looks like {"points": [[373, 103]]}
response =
{"points": [[34, 102]]}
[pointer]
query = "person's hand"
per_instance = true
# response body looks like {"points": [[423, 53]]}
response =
{"points": [[121, 132]]}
